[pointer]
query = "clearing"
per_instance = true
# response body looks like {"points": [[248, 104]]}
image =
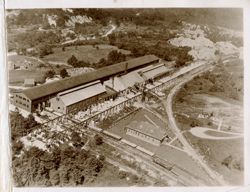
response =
{"points": [[87, 53]]}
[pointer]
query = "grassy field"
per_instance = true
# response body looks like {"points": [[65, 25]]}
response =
{"points": [[18, 76], [87, 53], [218, 134], [211, 100], [24, 62], [30, 68], [202, 102], [215, 151]]}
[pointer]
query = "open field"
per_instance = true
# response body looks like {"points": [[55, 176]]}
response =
{"points": [[215, 151], [18, 76], [210, 111], [25, 62], [214, 101], [218, 134], [87, 53]]}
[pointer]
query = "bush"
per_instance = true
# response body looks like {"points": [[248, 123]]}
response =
{"points": [[50, 74], [72, 61], [122, 174], [227, 161], [98, 140], [64, 73], [17, 146]]}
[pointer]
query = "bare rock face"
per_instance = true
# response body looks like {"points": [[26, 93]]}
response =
{"points": [[202, 47]]}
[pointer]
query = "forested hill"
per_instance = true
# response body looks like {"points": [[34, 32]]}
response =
{"points": [[224, 17]]}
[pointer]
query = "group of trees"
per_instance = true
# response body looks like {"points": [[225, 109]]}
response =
{"points": [[216, 35], [113, 57], [223, 83], [64, 166], [51, 73], [21, 126], [162, 49], [41, 42]]}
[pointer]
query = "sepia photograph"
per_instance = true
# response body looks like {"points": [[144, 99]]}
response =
{"points": [[122, 97]]}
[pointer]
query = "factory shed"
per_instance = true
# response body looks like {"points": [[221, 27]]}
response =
{"points": [[154, 71], [145, 131], [55, 87], [79, 97], [123, 82], [40, 96]]}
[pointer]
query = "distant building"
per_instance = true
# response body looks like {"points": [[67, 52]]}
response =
{"points": [[146, 132], [29, 82]]}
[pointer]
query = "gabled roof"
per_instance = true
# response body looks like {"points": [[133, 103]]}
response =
{"points": [[81, 93], [68, 83], [124, 81], [153, 71], [147, 128]]}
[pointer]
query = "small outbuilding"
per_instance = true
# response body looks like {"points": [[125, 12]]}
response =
{"points": [[29, 82]]}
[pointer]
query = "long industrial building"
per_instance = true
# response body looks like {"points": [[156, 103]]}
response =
{"points": [[63, 95]]}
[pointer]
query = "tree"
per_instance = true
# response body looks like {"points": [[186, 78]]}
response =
{"points": [[60, 22], [72, 61], [112, 38], [76, 139], [115, 57], [227, 161], [64, 73], [98, 140], [44, 49], [50, 74]]}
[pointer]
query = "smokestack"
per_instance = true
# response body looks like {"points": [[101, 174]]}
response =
{"points": [[113, 81], [126, 68]]}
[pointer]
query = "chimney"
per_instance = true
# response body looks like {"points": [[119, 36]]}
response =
{"points": [[113, 81], [126, 68]]}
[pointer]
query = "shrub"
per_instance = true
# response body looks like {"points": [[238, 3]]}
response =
{"points": [[98, 140], [50, 74], [64, 73]]}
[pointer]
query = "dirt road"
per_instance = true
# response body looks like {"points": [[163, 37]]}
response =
{"points": [[218, 180]]}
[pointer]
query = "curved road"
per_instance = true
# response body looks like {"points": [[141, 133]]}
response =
{"points": [[188, 148]]}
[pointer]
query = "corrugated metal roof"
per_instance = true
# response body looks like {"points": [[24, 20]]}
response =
{"points": [[67, 83], [83, 92], [124, 81], [147, 128], [154, 71], [131, 79]]}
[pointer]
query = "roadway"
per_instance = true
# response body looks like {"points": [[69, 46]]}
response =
{"points": [[218, 180]]}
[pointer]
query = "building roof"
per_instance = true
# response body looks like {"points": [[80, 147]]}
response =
{"points": [[153, 71], [29, 81], [67, 83], [81, 93], [147, 128], [124, 81]]}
